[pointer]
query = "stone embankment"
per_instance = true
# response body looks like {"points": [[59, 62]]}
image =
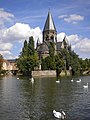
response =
{"points": [[51, 73]]}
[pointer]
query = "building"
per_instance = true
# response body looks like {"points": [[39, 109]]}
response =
{"points": [[10, 66], [50, 35]]}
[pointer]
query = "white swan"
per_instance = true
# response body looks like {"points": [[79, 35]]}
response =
{"points": [[32, 80], [85, 86], [57, 81], [72, 80], [17, 78], [78, 81], [61, 115]]}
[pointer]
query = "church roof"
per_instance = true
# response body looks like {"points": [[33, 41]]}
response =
{"points": [[49, 25], [59, 45], [43, 48]]}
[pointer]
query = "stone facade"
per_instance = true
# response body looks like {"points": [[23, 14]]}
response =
{"points": [[9, 65]]}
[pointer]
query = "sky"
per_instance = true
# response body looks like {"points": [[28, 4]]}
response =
{"points": [[20, 19]]}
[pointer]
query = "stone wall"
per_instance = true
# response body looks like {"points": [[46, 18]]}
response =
{"points": [[51, 73], [44, 73]]}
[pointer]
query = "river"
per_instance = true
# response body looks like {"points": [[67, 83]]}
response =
{"points": [[20, 99]]}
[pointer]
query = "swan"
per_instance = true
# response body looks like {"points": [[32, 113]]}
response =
{"points": [[32, 80], [61, 115], [17, 78], [72, 80], [78, 81], [85, 86], [57, 81]]}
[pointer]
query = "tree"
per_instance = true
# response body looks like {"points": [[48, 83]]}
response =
{"points": [[59, 64], [74, 63], [1, 63], [31, 50], [48, 63], [51, 49], [28, 58], [24, 49]]}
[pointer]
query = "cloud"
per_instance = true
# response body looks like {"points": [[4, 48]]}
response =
{"points": [[73, 18], [62, 16], [7, 54], [83, 45], [19, 32], [5, 17], [15, 35], [73, 39], [60, 36], [78, 43], [6, 46]]}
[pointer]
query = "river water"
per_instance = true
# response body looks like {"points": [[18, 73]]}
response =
{"points": [[20, 99]]}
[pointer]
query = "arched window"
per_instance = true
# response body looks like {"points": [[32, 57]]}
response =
{"points": [[52, 38]]}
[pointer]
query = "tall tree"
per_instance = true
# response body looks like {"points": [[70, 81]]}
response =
{"points": [[24, 49], [31, 50], [28, 58], [51, 49], [59, 62]]}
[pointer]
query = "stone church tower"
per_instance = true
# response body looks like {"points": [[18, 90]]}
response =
{"points": [[49, 31]]}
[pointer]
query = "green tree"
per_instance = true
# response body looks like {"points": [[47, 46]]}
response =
{"points": [[24, 49], [59, 62], [28, 59], [48, 63], [74, 62], [1, 63], [31, 50], [51, 49]]}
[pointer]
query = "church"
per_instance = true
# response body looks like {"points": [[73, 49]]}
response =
{"points": [[50, 35]]}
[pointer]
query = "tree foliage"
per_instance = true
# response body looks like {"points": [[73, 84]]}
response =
{"points": [[28, 58], [1, 63]]}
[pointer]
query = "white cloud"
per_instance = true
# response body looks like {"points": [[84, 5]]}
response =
{"points": [[80, 44], [74, 39], [83, 45], [5, 17], [6, 53], [60, 36], [62, 16], [73, 18], [6, 46], [17, 34]]}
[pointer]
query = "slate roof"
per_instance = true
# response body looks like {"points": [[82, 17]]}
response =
{"points": [[58, 45], [43, 48], [49, 24]]}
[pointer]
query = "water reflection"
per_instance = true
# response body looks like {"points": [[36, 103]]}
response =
{"points": [[22, 100]]}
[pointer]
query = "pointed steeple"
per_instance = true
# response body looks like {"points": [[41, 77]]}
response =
{"points": [[49, 24], [49, 31]]}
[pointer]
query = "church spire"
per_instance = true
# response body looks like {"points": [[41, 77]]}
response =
{"points": [[49, 24], [49, 31]]}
